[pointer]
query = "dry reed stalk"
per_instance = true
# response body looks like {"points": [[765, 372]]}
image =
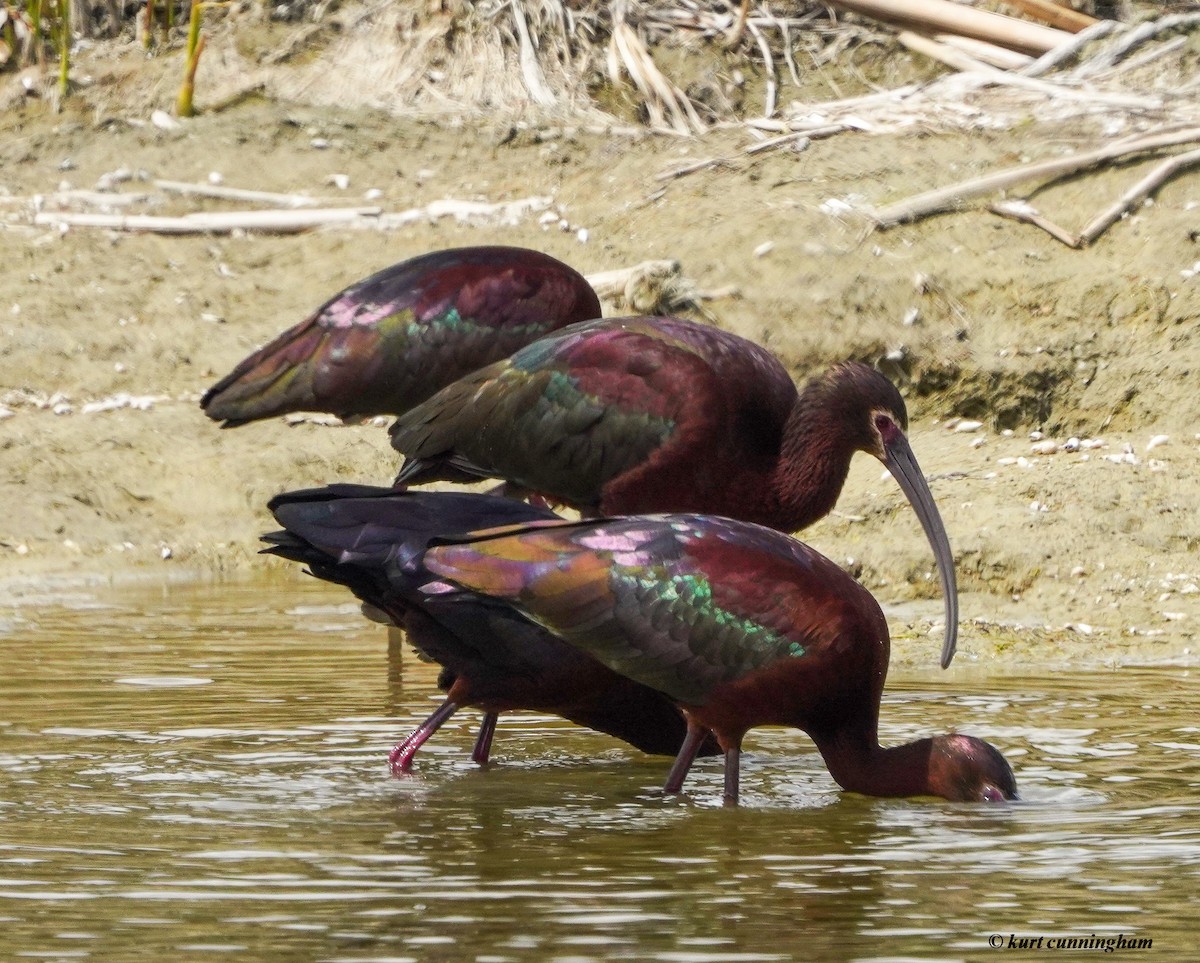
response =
{"points": [[468, 57], [666, 104]]}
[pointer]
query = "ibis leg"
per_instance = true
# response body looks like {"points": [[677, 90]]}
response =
{"points": [[733, 771], [483, 742], [401, 758], [685, 757]]}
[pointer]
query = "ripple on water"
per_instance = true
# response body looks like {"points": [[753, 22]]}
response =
{"points": [[203, 770]]}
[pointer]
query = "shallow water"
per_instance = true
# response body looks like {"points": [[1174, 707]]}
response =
{"points": [[194, 771]]}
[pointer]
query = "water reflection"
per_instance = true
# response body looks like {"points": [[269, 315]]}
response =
{"points": [[193, 771]]}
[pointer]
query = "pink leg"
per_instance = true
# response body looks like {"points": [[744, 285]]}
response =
{"points": [[401, 758], [733, 770], [685, 758], [483, 743]]}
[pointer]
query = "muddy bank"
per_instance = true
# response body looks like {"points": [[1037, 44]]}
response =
{"points": [[107, 340]]}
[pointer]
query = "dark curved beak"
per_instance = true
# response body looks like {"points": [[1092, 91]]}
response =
{"points": [[902, 463]]}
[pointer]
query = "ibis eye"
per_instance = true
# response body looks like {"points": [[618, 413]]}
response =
{"points": [[885, 426]]}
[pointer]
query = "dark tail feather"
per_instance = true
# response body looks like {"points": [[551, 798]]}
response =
{"points": [[376, 526]]}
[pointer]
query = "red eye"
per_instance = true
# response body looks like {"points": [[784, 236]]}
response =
{"points": [[886, 427]]}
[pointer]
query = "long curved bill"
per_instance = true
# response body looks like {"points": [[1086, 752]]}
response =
{"points": [[902, 463]]}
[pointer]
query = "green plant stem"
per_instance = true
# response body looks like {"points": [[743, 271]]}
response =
{"points": [[195, 44], [64, 49]]}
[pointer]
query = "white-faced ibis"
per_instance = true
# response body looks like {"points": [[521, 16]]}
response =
{"points": [[635, 415], [372, 540], [388, 342], [741, 625]]}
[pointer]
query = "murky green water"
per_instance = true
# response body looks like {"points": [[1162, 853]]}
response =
{"points": [[199, 772]]}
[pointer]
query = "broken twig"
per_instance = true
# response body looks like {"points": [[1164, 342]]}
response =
{"points": [[235, 194], [215, 222], [946, 198], [1136, 194], [1022, 211]]}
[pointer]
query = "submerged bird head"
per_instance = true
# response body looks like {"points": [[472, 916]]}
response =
{"points": [[967, 769]]}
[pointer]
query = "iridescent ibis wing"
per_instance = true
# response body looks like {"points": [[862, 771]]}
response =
{"points": [[388, 342], [742, 625], [685, 604], [633, 415], [372, 540], [620, 415]]}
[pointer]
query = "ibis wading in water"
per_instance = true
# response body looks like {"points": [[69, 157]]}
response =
{"points": [[741, 625], [657, 414], [373, 540], [388, 342]]}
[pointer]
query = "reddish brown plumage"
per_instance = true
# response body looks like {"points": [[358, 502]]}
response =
{"points": [[391, 340], [741, 625], [372, 540], [634, 415]]}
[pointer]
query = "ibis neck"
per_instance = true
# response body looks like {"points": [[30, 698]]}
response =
{"points": [[813, 464], [860, 764]]}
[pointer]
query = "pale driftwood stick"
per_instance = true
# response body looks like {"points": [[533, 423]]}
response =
{"points": [[235, 194], [943, 16], [771, 143], [94, 198], [1069, 48], [790, 127], [1021, 211], [971, 67], [1057, 16], [838, 106], [1136, 194], [811, 133], [1149, 56], [943, 53], [945, 198], [986, 52], [1134, 38], [772, 90], [216, 222], [505, 212], [674, 172], [789, 58]]}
